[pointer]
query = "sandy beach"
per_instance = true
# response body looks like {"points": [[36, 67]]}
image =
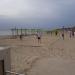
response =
{"points": [[53, 56]]}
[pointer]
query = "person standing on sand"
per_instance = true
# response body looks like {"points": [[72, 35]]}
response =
{"points": [[56, 33], [21, 36], [39, 37], [70, 32], [63, 36]]}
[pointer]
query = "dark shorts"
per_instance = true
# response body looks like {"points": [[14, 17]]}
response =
{"points": [[39, 38], [62, 35]]}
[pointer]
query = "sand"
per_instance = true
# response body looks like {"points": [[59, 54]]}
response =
{"points": [[53, 56], [53, 66]]}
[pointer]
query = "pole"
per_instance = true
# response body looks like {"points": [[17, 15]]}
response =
{"points": [[21, 31], [12, 32], [17, 31]]}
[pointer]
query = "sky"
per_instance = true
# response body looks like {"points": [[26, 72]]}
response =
{"points": [[37, 13]]}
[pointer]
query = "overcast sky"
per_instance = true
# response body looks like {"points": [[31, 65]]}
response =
{"points": [[37, 13]]}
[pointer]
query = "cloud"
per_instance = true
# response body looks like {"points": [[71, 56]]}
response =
{"points": [[42, 12]]}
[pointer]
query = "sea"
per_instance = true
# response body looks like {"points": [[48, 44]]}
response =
{"points": [[9, 32], [5, 32]]}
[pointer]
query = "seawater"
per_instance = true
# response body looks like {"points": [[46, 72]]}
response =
{"points": [[5, 32]]}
